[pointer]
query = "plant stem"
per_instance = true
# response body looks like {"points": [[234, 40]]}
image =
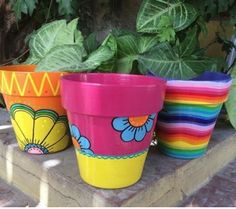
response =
{"points": [[9, 62], [49, 9]]}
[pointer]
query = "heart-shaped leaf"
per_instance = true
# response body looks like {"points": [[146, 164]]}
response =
{"points": [[62, 58], [165, 62], [52, 35], [151, 12], [69, 57]]}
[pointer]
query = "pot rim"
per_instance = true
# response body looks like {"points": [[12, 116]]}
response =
{"points": [[153, 81], [24, 69], [112, 97]]}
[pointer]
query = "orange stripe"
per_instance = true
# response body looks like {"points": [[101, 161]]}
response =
{"points": [[183, 137], [195, 97]]}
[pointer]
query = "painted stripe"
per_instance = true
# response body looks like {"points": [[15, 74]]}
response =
{"points": [[197, 84], [183, 137], [187, 126], [179, 118], [112, 156], [188, 154], [182, 145]]}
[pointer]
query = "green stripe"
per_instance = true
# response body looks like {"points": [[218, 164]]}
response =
{"points": [[201, 111], [181, 152], [20, 107], [46, 113], [207, 108]]}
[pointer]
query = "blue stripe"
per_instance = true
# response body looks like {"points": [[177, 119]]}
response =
{"points": [[182, 119]]}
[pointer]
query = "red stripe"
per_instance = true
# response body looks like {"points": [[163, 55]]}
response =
{"points": [[183, 137]]}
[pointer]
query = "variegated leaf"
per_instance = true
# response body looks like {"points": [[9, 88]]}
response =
{"points": [[163, 61], [130, 47], [188, 46], [151, 11], [51, 35], [62, 58], [69, 57]]}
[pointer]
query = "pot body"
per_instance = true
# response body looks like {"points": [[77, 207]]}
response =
{"points": [[112, 119], [189, 115], [33, 101]]}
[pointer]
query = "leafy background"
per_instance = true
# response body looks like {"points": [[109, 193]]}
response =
{"points": [[167, 38], [165, 41]]}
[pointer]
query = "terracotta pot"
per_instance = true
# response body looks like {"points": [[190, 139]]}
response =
{"points": [[112, 118], [33, 101], [190, 112]]}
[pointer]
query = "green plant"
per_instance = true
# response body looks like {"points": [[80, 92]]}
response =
{"points": [[58, 46], [167, 42], [51, 9]]}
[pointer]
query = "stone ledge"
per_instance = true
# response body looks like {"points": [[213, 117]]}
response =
{"points": [[219, 192], [166, 181], [12, 197]]}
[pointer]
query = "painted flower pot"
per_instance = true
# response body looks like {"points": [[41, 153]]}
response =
{"points": [[190, 112], [33, 101], [112, 117]]}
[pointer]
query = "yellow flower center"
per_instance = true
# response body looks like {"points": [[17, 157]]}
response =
{"points": [[138, 121]]}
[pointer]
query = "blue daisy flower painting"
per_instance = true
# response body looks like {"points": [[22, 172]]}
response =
{"points": [[133, 128], [80, 142]]}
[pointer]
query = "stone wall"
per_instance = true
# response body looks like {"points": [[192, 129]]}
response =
{"points": [[104, 15]]}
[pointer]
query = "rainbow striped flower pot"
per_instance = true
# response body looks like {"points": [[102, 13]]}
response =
{"points": [[190, 112], [34, 103], [112, 118]]}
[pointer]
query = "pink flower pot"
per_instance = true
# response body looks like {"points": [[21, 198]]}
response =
{"points": [[112, 118]]}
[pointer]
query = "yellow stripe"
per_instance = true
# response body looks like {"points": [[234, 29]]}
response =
{"points": [[7, 87], [110, 173], [184, 145], [196, 102]]}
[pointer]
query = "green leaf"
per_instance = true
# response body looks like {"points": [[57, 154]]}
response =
{"points": [[188, 46], [202, 25], [51, 35], [23, 6], [151, 11], [127, 45], [166, 29], [19, 7], [129, 48], [127, 53], [167, 34], [65, 7], [110, 42], [31, 5], [165, 62], [230, 103], [95, 59], [121, 32], [91, 43], [125, 64], [146, 42], [108, 64], [69, 57], [62, 58]]}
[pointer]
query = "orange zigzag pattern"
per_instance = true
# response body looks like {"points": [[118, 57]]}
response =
{"points": [[8, 86]]}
